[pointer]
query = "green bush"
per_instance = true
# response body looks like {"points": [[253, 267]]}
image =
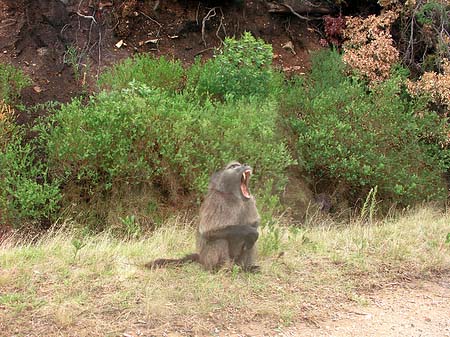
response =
{"points": [[154, 72], [368, 137], [241, 68], [26, 194], [147, 135], [12, 81]]}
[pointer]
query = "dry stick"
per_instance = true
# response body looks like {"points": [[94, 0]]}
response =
{"points": [[221, 25], [150, 18], [99, 52], [203, 50], [295, 13], [196, 13], [411, 39], [86, 49], [211, 14], [64, 28], [87, 16], [410, 48], [155, 7]]}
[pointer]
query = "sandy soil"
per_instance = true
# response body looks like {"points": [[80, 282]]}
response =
{"points": [[421, 308]]}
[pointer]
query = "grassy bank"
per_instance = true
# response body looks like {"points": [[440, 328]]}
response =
{"points": [[65, 284]]}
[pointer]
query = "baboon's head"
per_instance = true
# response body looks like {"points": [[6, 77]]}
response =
{"points": [[233, 179]]}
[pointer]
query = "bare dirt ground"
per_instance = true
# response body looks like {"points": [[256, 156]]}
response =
{"points": [[417, 309], [420, 308]]}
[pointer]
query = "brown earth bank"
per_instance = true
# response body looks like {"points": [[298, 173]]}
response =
{"points": [[40, 37]]}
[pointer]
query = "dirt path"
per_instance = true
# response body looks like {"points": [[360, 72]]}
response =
{"points": [[421, 309], [418, 309]]}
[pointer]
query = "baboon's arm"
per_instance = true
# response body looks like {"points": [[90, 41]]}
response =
{"points": [[248, 233]]}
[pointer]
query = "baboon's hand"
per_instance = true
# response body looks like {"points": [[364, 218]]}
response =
{"points": [[255, 224], [251, 237], [246, 233]]}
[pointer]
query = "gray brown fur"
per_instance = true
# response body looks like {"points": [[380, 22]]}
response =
{"points": [[228, 224], [225, 207]]}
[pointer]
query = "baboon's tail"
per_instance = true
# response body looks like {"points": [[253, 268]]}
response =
{"points": [[172, 262]]}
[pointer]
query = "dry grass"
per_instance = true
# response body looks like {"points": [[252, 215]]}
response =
{"points": [[47, 289]]}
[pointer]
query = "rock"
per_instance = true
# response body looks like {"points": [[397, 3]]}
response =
{"points": [[289, 46]]}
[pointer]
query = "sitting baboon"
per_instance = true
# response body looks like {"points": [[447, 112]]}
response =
{"points": [[228, 224]]}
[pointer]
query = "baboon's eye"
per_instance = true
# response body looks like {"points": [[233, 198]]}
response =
{"points": [[232, 166]]}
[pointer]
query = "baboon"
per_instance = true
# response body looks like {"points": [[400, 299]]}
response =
{"points": [[228, 224]]}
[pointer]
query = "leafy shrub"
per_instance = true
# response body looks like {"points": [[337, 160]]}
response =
{"points": [[154, 72], [147, 135], [433, 12], [12, 81], [424, 34], [269, 205], [26, 194], [370, 137], [241, 68], [6, 124]]}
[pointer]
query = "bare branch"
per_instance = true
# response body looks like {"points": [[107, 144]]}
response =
{"points": [[153, 20], [212, 13], [295, 13], [87, 17]]}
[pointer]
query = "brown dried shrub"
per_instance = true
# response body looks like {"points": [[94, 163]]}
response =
{"points": [[369, 48]]}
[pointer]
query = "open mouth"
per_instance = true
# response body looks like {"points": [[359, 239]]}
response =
{"points": [[244, 183]]}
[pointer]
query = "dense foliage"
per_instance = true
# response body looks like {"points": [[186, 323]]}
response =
{"points": [[241, 68], [12, 80], [26, 193], [154, 72], [159, 129], [368, 137], [141, 134]]}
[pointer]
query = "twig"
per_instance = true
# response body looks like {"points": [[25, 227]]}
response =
{"points": [[196, 13], [211, 14], [295, 13], [64, 28], [153, 20], [99, 52], [155, 7], [358, 313], [150, 18], [203, 50], [87, 17], [221, 25]]}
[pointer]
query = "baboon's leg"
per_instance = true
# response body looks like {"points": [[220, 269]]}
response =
{"points": [[215, 254], [247, 259]]}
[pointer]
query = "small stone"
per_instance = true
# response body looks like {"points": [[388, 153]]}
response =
{"points": [[289, 46], [119, 44]]}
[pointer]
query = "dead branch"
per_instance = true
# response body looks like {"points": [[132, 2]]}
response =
{"points": [[153, 20], [221, 25], [295, 13], [203, 50], [87, 17], [196, 13], [212, 13], [297, 8]]}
